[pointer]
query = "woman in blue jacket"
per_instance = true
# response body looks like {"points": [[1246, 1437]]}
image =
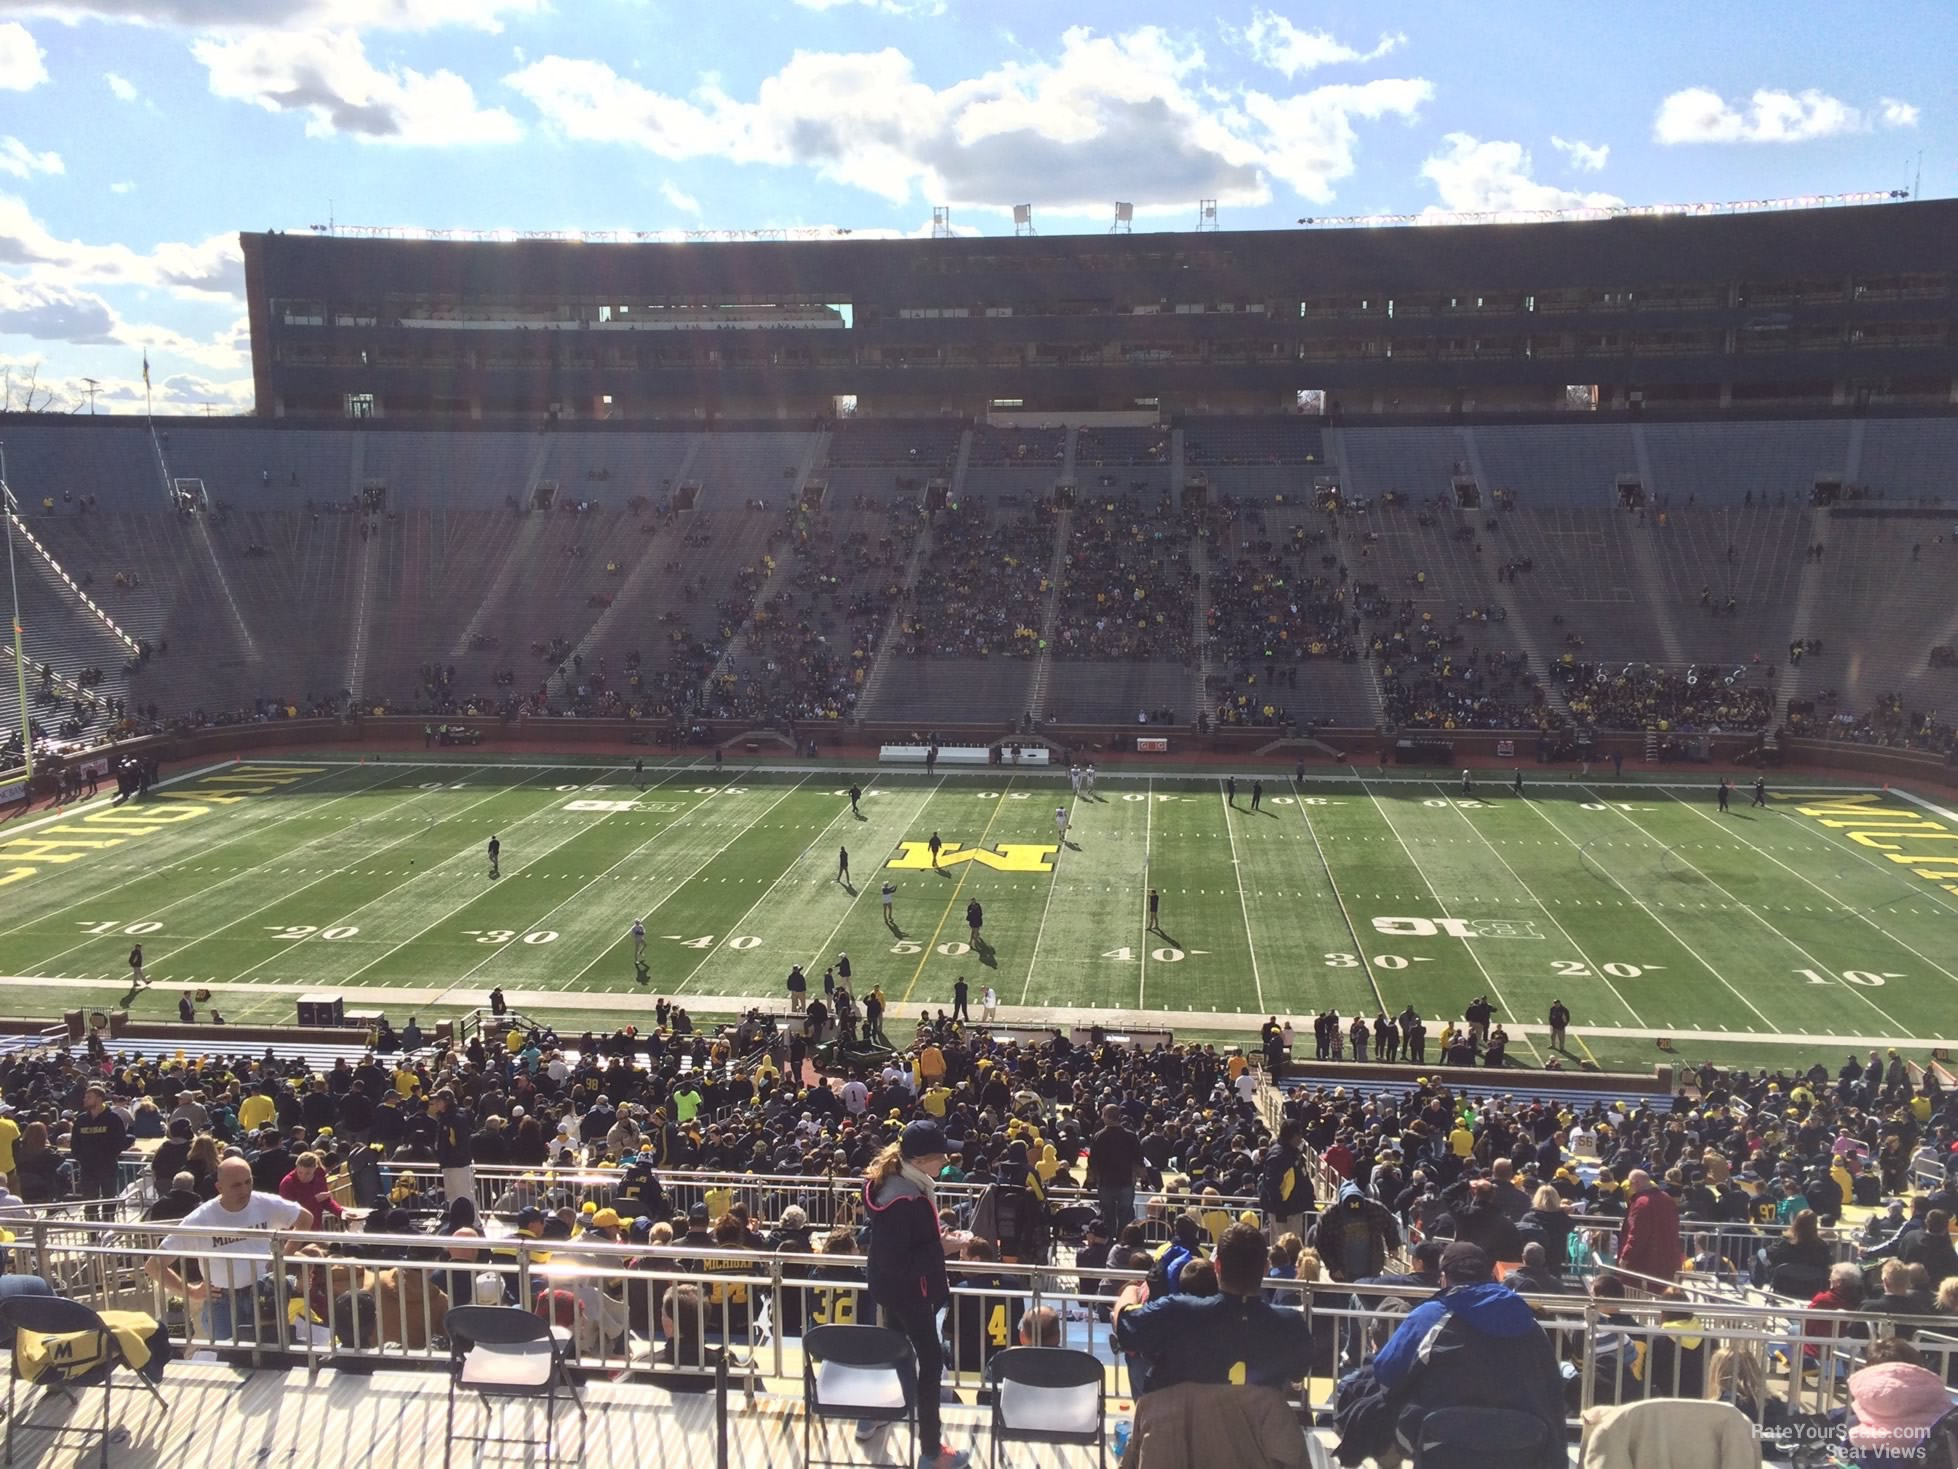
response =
{"points": [[906, 1268]]}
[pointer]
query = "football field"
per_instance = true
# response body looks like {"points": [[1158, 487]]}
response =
{"points": [[1824, 918]]}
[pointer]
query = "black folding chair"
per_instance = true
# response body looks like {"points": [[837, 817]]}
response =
{"points": [[505, 1352], [1052, 1395], [867, 1374], [62, 1371]]}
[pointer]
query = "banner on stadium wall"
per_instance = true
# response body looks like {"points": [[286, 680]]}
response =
{"points": [[1151, 745], [13, 791], [1505, 748]]}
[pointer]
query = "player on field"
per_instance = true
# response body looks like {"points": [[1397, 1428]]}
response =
{"points": [[843, 865], [638, 943], [1155, 912], [1468, 786], [1721, 794], [138, 981], [1760, 790], [856, 795], [1257, 793], [1230, 789], [1074, 778], [1088, 779], [889, 893], [495, 856], [1516, 784], [1060, 823], [639, 774], [936, 844]]}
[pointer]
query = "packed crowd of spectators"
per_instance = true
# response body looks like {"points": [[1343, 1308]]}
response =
{"points": [[1278, 589], [1127, 586], [1888, 722], [1703, 698], [980, 591], [817, 633], [1424, 685]]}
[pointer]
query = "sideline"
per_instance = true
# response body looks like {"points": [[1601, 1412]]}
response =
{"points": [[1114, 1021]]}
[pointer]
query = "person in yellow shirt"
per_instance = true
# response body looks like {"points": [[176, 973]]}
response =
{"points": [[1461, 1142], [405, 1081], [9, 1135], [257, 1110], [936, 1099], [931, 1066]]}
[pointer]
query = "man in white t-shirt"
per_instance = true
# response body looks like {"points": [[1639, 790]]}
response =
{"points": [[988, 1004], [233, 1262]]}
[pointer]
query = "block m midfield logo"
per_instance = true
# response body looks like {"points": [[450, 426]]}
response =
{"points": [[1006, 857]]}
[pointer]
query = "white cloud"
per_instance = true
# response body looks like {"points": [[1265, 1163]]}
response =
{"points": [[213, 269], [1282, 46], [673, 194], [1584, 157], [122, 186], [1700, 115], [1131, 115], [242, 15], [124, 88], [21, 161], [54, 313], [1310, 140], [1893, 113], [21, 59], [889, 7], [326, 75], [1474, 177]]}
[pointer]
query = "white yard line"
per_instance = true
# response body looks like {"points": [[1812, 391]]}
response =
{"points": [[1420, 871], [1833, 898], [1749, 909], [1148, 852], [1359, 948], [204, 892], [365, 857], [449, 913], [851, 906], [732, 932], [1597, 970], [1073, 805], [1243, 907], [1639, 903]]}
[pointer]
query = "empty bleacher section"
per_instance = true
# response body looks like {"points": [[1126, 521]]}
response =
{"points": [[1886, 602], [1122, 458], [733, 468], [1417, 462], [1727, 463], [1555, 464], [1909, 459], [878, 458], [1222, 442], [1013, 461]]}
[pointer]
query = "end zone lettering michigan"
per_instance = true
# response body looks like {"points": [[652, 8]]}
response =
{"points": [[1006, 857]]}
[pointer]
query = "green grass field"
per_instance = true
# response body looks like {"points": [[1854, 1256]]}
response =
{"points": [[1787, 930]]}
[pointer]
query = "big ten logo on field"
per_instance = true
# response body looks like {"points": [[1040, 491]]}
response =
{"points": [[1006, 857], [112, 826], [1457, 928]]}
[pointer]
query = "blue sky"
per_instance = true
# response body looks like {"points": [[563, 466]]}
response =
{"points": [[137, 137]]}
